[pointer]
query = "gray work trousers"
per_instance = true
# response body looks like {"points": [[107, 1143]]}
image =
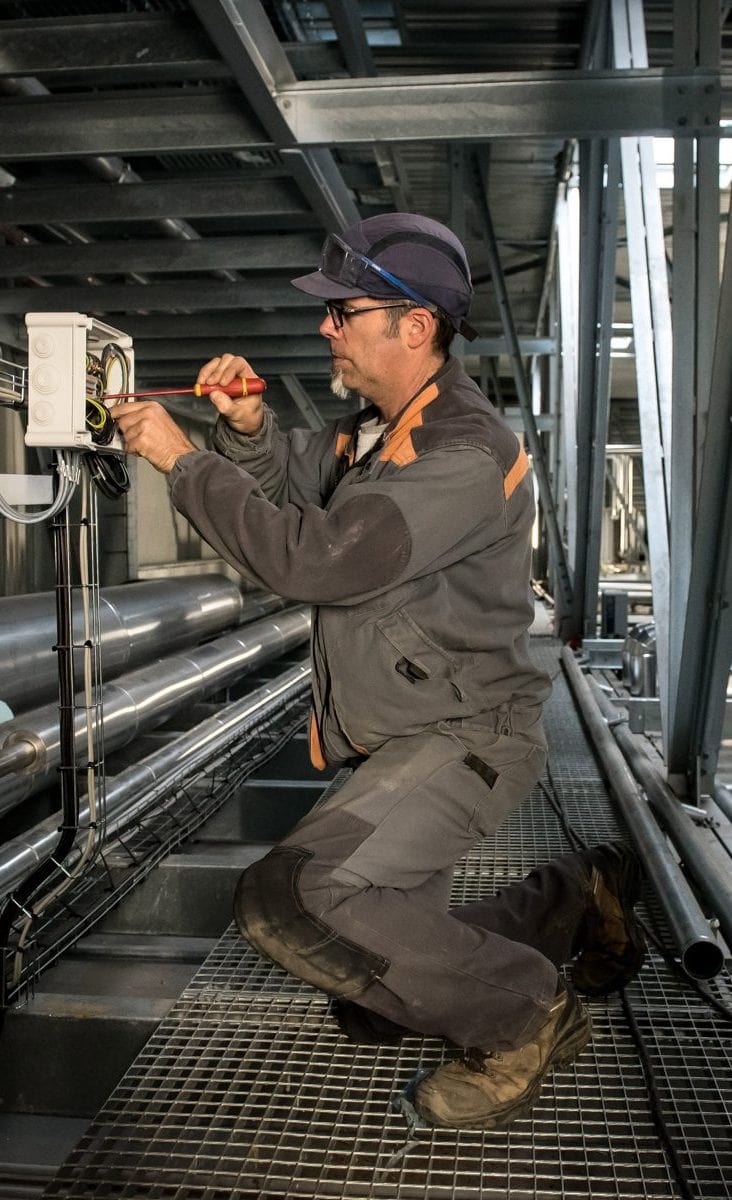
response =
{"points": [[377, 858]]}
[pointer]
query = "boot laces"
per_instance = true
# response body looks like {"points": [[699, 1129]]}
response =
{"points": [[480, 1060]]}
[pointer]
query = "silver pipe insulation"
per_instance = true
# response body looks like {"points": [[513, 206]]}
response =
{"points": [[138, 621], [144, 698], [700, 955], [137, 788], [714, 882]]}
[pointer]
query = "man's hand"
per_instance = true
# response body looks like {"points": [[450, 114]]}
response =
{"points": [[244, 415], [150, 432]]}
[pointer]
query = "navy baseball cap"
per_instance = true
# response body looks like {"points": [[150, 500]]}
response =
{"points": [[392, 255]]}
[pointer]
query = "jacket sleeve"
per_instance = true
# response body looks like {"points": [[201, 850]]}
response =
{"points": [[376, 534], [289, 467]]}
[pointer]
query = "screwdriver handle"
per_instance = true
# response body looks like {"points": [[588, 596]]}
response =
{"points": [[237, 388]]}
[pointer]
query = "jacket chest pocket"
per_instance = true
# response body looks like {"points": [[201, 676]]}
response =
{"points": [[417, 657]]}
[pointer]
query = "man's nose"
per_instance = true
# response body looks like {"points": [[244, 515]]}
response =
{"points": [[328, 327]]}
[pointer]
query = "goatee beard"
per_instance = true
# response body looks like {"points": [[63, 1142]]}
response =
{"points": [[337, 386]]}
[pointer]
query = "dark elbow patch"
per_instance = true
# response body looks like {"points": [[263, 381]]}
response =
{"points": [[371, 542]]}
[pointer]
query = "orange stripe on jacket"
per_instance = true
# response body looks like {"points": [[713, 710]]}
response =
{"points": [[516, 474], [316, 750], [344, 445], [399, 447]]}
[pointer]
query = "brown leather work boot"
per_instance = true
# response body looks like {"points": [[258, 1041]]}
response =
{"points": [[491, 1089], [610, 941]]}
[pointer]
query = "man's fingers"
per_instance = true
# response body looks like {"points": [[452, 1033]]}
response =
{"points": [[223, 369]]}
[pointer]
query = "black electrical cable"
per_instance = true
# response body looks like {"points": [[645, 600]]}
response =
{"points": [[687, 1192], [108, 473], [19, 901]]}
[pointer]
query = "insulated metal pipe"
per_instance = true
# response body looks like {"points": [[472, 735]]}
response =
{"points": [[714, 882], [145, 698], [700, 955], [138, 622], [137, 788]]}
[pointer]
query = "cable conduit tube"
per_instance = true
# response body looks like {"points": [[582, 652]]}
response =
{"points": [[714, 884], [699, 954], [137, 788], [145, 698], [138, 622]]}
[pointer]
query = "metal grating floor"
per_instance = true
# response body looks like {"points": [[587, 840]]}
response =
{"points": [[247, 1089]]}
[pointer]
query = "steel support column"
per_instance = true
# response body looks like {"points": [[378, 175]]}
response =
{"points": [[567, 234], [564, 586], [695, 732], [697, 36], [652, 333], [600, 181]]}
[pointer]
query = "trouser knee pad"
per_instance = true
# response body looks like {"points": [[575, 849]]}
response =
{"points": [[270, 913]]}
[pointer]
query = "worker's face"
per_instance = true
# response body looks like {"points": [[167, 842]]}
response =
{"points": [[361, 350]]}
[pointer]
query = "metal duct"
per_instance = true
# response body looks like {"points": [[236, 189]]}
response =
{"points": [[137, 788], [640, 665], [145, 698], [138, 621], [700, 955]]}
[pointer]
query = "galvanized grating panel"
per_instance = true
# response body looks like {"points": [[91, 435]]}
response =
{"points": [[261, 1096], [248, 1089]]}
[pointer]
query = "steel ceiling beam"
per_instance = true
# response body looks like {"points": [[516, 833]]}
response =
{"points": [[290, 322], [234, 323], [268, 368], [255, 253], [129, 47], [293, 335], [347, 112], [486, 107], [245, 39], [73, 126], [202, 350], [163, 297], [178, 371], [275, 202]]}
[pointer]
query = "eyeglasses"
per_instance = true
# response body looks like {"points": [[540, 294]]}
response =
{"points": [[338, 312], [342, 263]]}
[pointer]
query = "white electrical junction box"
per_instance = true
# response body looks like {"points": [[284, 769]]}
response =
{"points": [[58, 383]]}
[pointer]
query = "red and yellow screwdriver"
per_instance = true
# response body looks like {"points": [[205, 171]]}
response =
{"points": [[236, 389]]}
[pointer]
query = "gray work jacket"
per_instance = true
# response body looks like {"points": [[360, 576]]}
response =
{"points": [[417, 559]]}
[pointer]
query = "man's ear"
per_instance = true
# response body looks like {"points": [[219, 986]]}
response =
{"points": [[418, 327]]}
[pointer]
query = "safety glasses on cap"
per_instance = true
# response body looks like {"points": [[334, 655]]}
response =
{"points": [[341, 263]]}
